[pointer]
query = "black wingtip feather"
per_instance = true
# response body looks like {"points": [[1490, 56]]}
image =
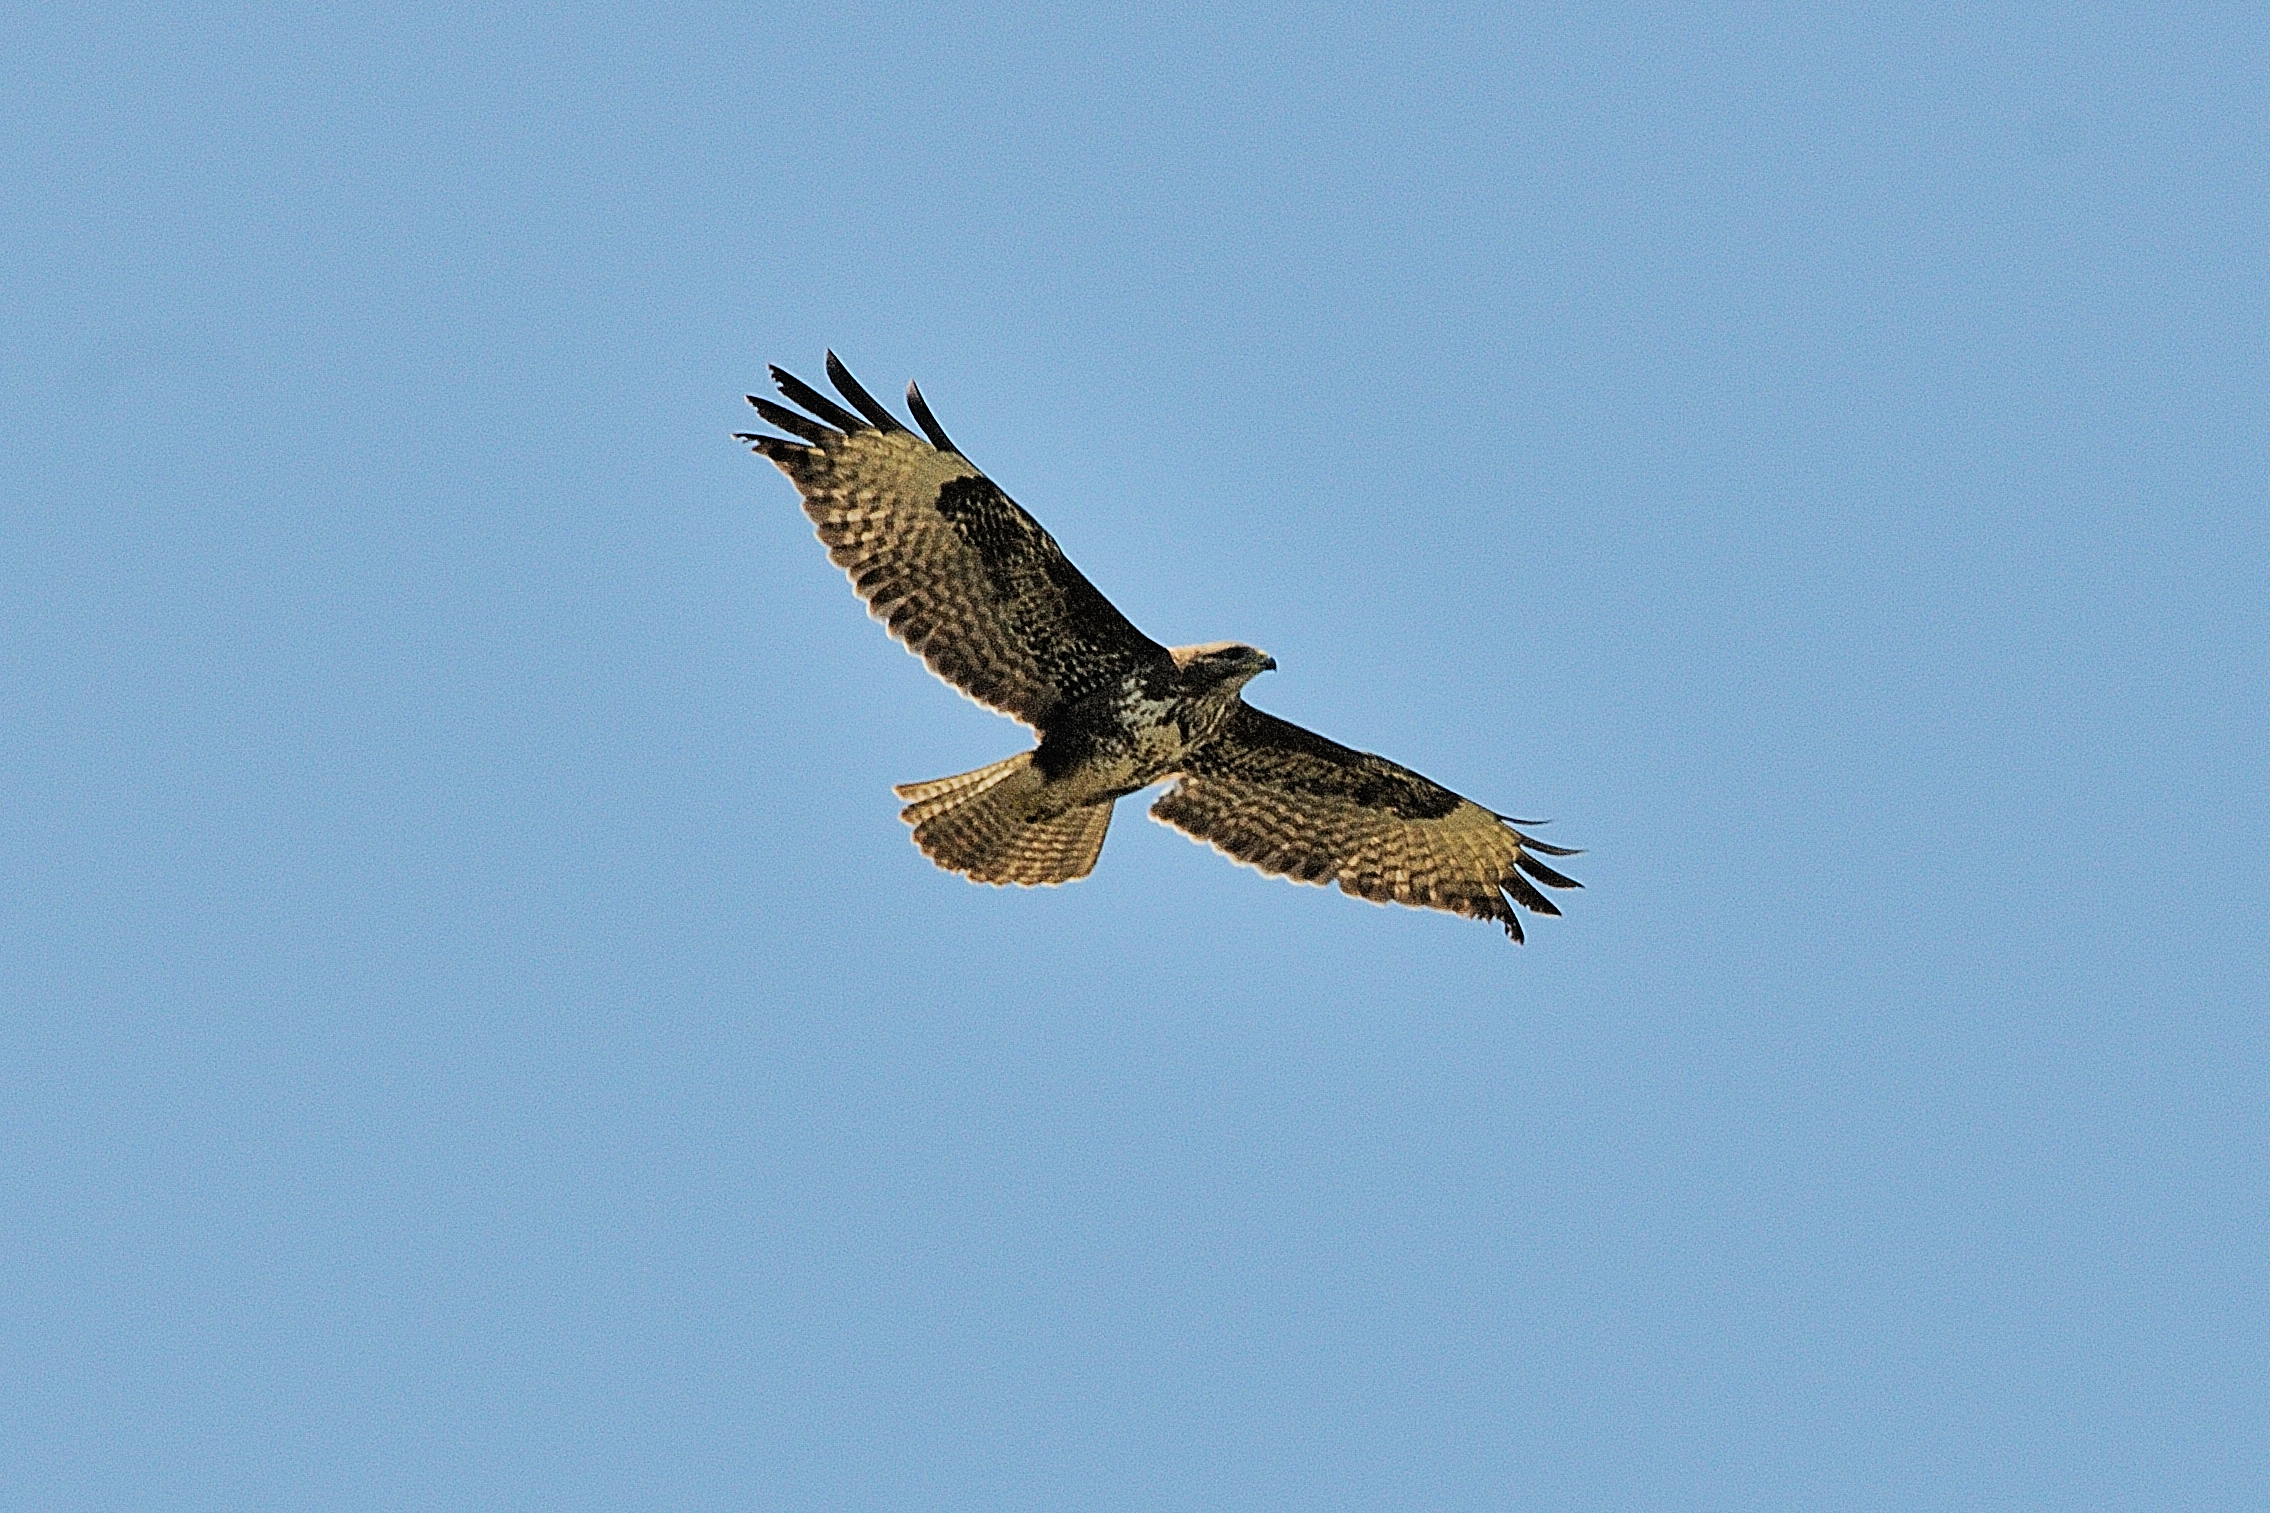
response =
{"points": [[1531, 841], [1543, 873], [1526, 895], [1512, 923], [791, 422], [929, 422], [862, 401], [802, 393]]}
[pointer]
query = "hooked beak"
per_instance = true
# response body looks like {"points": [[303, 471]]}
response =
{"points": [[1268, 664]]}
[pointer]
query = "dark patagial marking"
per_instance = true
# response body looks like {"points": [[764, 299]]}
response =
{"points": [[1359, 777]]}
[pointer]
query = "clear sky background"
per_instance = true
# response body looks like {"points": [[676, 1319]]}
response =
{"points": [[476, 1034]]}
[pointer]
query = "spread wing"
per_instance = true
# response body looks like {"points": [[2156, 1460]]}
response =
{"points": [[1288, 801], [964, 577]]}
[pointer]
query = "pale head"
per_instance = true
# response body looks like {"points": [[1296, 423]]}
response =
{"points": [[1222, 663]]}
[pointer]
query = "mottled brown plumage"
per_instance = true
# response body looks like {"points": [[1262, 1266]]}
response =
{"points": [[973, 585], [1288, 801]]}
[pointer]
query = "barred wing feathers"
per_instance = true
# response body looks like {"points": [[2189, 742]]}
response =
{"points": [[960, 573], [1286, 800]]}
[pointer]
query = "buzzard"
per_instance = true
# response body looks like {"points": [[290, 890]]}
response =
{"points": [[978, 590]]}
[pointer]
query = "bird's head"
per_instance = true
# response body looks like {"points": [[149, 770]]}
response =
{"points": [[1224, 664]]}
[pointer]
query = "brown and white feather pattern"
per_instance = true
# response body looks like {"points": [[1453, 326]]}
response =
{"points": [[1288, 801], [960, 573], [994, 825]]}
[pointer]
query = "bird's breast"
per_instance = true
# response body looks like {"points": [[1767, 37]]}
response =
{"points": [[1115, 744]]}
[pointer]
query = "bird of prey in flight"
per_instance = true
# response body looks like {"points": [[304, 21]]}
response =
{"points": [[980, 592]]}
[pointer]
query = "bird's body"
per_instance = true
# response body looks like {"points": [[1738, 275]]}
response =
{"points": [[1144, 727], [973, 585]]}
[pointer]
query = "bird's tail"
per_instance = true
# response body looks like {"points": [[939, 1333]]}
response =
{"points": [[994, 825]]}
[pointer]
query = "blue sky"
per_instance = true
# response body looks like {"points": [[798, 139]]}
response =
{"points": [[476, 1034]]}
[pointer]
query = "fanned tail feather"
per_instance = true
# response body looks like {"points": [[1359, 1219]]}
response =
{"points": [[982, 825], [941, 794]]}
